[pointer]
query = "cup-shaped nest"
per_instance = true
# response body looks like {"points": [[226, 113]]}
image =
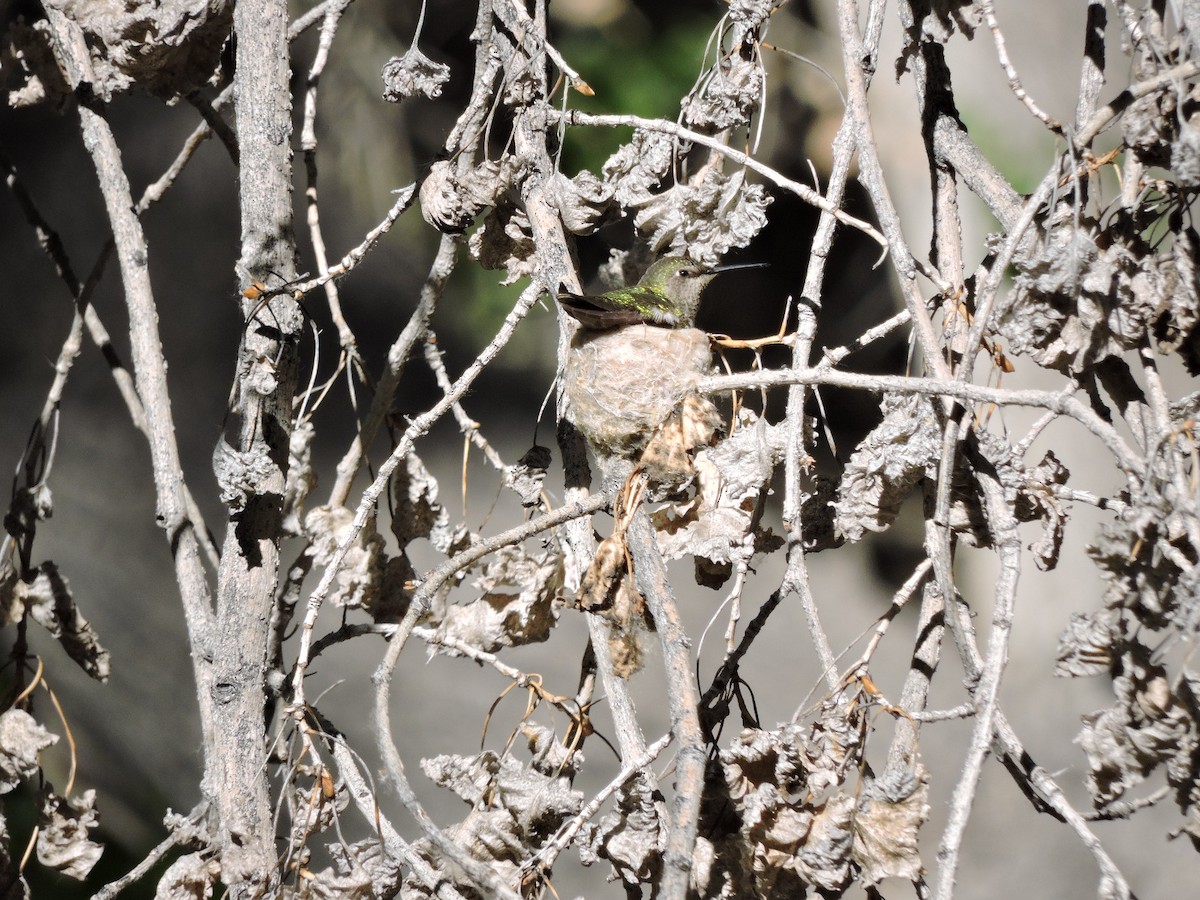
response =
{"points": [[622, 384]]}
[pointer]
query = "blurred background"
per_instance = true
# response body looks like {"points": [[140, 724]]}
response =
{"points": [[138, 736]]}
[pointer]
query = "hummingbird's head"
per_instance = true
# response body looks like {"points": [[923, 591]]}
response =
{"points": [[681, 280]]}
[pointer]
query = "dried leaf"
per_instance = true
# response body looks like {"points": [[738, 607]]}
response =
{"points": [[29, 506], [631, 837], [1149, 725], [452, 194], [49, 602], [889, 462], [638, 167], [367, 858], [22, 738], [887, 823], [719, 526], [750, 14], [504, 619], [313, 810], [549, 755], [411, 74], [528, 476], [63, 842], [165, 49], [794, 840], [505, 241], [359, 578], [585, 203], [244, 474], [1035, 500], [1082, 295], [823, 860], [191, 877], [417, 512], [728, 97], [514, 809], [1177, 314], [605, 575], [704, 222], [301, 478], [1086, 645]]}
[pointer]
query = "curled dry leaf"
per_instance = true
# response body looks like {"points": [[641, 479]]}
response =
{"points": [[1084, 294], [22, 738], [788, 837], [514, 809], [705, 221], [887, 822], [584, 202], [366, 858], [606, 575], [63, 842], [1140, 554], [1036, 501], [624, 267], [505, 618], [334, 884], [1177, 312], [608, 589], [906, 447], [1151, 723], [453, 194], [301, 478], [667, 459], [313, 811], [1152, 124], [632, 837], [1086, 646], [751, 14], [360, 576], [244, 474], [887, 465], [29, 506], [549, 755], [720, 524], [637, 168], [191, 877], [729, 96], [163, 47], [417, 512], [528, 476], [505, 241], [49, 602], [412, 74], [1185, 153]]}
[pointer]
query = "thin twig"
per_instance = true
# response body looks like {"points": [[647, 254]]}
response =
{"points": [[151, 859], [803, 191], [1130, 461], [550, 852]]}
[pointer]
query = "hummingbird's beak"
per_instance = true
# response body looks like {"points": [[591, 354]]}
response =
{"points": [[729, 267]]}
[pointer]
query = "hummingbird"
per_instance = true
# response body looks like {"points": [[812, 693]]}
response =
{"points": [[667, 296]]}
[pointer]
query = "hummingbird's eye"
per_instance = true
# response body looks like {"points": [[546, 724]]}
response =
{"points": [[687, 272]]}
